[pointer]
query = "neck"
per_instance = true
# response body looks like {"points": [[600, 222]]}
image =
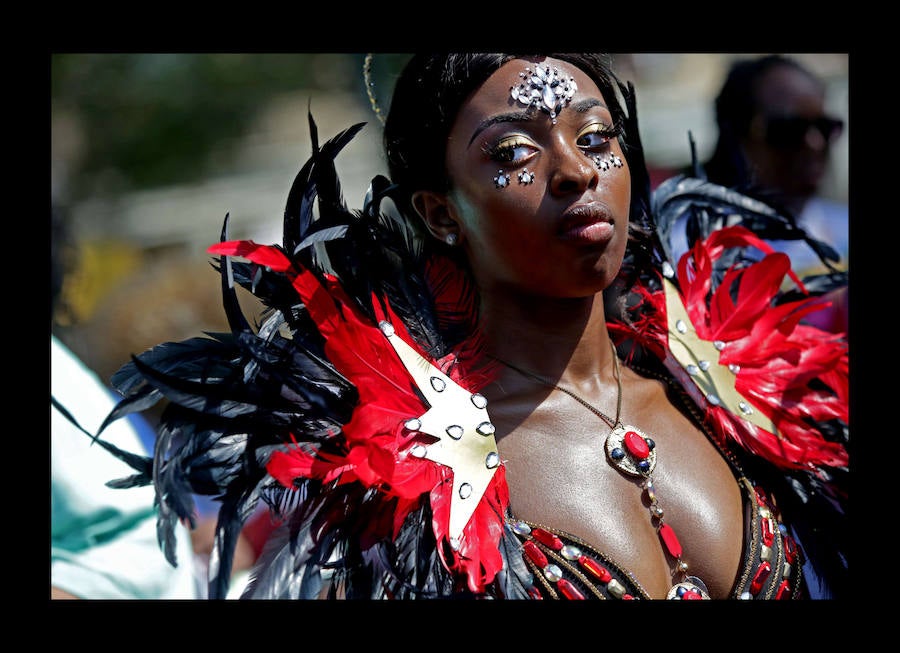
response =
{"points": [[559, 339]]}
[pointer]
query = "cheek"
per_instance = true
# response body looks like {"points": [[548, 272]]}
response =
{"points": [[491, 216]]}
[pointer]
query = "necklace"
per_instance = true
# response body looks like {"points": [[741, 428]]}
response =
{"points": [[633, 453]]}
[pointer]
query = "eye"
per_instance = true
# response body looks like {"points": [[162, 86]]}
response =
{"points": [[597, 136], [511, 150]]}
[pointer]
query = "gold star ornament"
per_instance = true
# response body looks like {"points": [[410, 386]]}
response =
{"points": [[459, 419], [700, 358]]}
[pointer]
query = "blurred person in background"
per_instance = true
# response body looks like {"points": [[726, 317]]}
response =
{"points": [[774, 143], [103, 542]]}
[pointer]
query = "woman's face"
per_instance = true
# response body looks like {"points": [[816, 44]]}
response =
{"points": [[559, 226]]}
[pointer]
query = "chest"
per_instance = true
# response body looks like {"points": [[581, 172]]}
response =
{"points": [[559, 475]]}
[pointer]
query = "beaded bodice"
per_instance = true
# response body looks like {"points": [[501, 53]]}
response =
{"points": [[566, 567]]}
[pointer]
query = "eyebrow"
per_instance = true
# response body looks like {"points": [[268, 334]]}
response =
{"points": [[523, 116], [516, 116]]}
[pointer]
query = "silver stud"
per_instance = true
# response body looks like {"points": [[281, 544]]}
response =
{"points": [[552, 573], [418, 451], [438, 383], [465, 491], [681, 326], [455, 431], [522, 528], [485, 428], [479, 400], [492, 460], [450, 239], [667, 270], [413, 424], [386, 328]]}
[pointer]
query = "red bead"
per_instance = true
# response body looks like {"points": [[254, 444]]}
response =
{"points": [[534, 553], [636, 445], [595, 569], [568, 590], [627, 597], [534, 593], [547, 538], [761, 575], [767, 532], [783, 590], [790, 549], [691, 595], [673, 546]]}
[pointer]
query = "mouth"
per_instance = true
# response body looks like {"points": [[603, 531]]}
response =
{"points": [[591, 222]]}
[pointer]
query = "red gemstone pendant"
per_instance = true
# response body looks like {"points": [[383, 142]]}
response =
{"points": [[629, 450], [636, 445]]}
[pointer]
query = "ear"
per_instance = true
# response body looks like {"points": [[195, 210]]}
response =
{"points": [[437, 213]]}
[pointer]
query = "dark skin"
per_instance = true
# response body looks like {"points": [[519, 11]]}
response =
{"points": [[542, 253]]}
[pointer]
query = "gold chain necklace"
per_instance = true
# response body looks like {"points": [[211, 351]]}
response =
{"points": [[633, 453]]}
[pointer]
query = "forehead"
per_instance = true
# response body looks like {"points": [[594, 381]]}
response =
{"points": [[493, 96], [784, 90]]}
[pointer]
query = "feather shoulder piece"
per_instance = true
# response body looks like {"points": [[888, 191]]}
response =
{"points": [[764, 378], [352, 411]]}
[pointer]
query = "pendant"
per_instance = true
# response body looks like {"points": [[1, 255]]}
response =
{"points": [[690, 589], [630, 450]]}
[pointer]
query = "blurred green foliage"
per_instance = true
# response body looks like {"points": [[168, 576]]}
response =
{"points": [[154, 118]]}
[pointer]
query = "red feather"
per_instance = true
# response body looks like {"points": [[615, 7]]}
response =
{"points": [[777, 356], [377, 442]]}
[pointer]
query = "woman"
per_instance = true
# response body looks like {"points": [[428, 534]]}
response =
{"points": [[444, 403]]}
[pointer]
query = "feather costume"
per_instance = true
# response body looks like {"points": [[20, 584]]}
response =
{"points": [[334, 411]]}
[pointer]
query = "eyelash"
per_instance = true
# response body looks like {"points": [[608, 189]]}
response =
{"points": [[608, 132], [504, 151]]}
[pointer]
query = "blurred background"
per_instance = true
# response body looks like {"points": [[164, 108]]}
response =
{"points": [[150, 151]]}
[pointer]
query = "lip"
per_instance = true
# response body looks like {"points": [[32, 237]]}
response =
{"points": [[590, 222]]}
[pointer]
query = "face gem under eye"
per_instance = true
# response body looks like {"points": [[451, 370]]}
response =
{"points": [[604, 163]]}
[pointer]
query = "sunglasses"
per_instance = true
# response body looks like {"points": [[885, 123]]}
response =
{"points": [[790, 131]]}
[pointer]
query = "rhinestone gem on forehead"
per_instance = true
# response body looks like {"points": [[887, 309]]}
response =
{"points": [[545, 88]]}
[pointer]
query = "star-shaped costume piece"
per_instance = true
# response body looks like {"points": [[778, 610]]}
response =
{"points": [[459, 419], [701, 360]]}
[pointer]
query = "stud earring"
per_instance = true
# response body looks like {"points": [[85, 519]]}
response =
{"points": [[526, 177], [450, 239], [501, 180]]}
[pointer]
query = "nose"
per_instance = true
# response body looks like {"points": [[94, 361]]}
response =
{"points": [[573, 171], [815, 140]]}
